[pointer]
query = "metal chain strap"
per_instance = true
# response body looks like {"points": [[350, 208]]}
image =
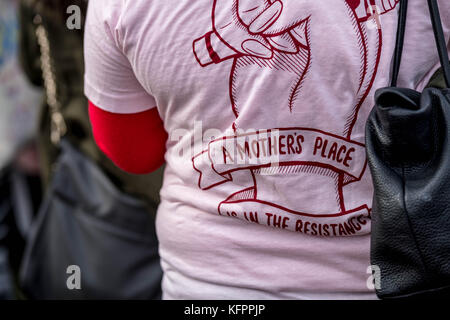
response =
{"points": [[58, 126]]}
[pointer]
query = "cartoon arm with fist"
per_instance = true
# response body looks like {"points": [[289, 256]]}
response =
{"points": [[238, 30]]}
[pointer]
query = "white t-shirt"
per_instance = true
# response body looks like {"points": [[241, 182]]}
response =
{"points": [[266, 193]]}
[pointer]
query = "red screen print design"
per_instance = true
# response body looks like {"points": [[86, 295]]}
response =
{"points": [[269, 40]]}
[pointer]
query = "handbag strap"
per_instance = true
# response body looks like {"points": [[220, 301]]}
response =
{"points": [[58, 126], [438, 35]]}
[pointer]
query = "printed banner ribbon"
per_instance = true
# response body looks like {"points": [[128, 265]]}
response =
{"points": [[278, 148], [348, 223]]}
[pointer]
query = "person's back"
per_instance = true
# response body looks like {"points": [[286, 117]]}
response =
{"points": [[266, 190]]}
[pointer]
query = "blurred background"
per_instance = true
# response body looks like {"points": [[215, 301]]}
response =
{"points": [[72, 225], [19, 161]]}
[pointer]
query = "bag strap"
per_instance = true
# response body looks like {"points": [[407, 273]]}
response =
{"points": [[440, 39], [399, 41], [438, 34], [58, 126]]}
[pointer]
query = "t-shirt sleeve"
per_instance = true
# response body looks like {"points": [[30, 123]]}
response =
{"points": [[110, 82]]}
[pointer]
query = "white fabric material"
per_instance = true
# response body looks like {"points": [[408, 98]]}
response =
{"points": [[249, 213]]}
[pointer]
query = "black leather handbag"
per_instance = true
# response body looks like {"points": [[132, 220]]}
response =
{"points": [[408, 147]]}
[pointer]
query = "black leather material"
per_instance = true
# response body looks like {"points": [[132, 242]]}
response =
{"points": [[86, 221], [408, 149], [408, 144]]}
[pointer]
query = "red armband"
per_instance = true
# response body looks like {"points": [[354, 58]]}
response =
{"points": [[136, 142]]}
